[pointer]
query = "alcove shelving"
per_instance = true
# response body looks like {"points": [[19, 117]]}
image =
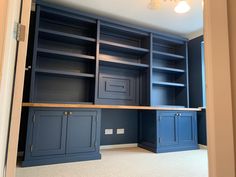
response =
{"points": [[169, 72], [124, 57], [64, 59]]}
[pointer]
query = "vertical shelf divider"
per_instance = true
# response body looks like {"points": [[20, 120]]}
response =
{"points": [[32, 83], [186, 73], [150, 68], [97, 61]]}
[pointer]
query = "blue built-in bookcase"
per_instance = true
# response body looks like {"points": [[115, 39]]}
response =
{"points": [[79, 61], [169, 75]]}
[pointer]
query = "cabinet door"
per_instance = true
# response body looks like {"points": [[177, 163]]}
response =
{"points": [[167, 129], [187, 128], [49, 133], [81, 131]]}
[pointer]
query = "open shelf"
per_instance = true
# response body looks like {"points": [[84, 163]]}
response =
{"points": [[169, 48], [171, 84], [64, 73], [124, 36], [70, 55], [165, 55], [122, 48], [55, 88], [67, 35], [121, 63], [166, 69], [67, 23], [169, 95], [66, 44]]}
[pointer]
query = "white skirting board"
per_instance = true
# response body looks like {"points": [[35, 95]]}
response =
{"points": [[116, 146]]}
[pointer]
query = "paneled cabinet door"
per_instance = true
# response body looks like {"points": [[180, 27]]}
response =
{"points": [[48, 133], [187, 128], [167, 129], [82, 132]]}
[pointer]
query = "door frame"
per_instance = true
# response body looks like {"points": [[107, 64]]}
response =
{"points": [[13, 135], [219, 131]]}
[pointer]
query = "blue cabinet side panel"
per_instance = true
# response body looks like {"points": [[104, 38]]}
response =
{"points": [[195, 72], [114, 119], [196, 85], [202, 130]]}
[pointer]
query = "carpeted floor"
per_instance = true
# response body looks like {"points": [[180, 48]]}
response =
{"points": [[129, 162]]}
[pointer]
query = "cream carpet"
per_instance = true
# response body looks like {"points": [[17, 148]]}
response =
{"points": [[128, 162]]}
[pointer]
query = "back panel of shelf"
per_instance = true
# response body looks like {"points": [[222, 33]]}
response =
{"points": [[63, 89], [169, 96]]}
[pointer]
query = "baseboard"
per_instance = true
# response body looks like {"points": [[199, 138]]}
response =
{"points": [[201, 146], [117, 146]]}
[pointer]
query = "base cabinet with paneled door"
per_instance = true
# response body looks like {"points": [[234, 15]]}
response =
{"points": [[166, 131], [62, 135]]}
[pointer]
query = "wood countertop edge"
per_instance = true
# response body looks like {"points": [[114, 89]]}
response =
{"points": [[93, 106]]}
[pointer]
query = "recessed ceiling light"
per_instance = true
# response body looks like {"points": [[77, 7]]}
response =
{"points": [[182, 7]]}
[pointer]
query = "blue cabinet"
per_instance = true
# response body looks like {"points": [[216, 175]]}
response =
{"points": [[48, 133], [173, 131], [82, 132], [58, 135], [167, 129]]}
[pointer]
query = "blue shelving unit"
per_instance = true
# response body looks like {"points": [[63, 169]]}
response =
{"points": [[79, 58]]}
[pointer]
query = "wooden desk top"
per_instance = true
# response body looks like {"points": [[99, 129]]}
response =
{"points": [[93, 106]]}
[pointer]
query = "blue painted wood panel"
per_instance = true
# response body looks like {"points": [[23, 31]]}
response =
{"points": [[202, 128], [49, 133], [197, 84], [187, 128], [195, 72], [118, 86], [81, 131], [167, 127]]}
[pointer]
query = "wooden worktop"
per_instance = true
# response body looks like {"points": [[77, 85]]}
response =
{"points": [[93, 106]]}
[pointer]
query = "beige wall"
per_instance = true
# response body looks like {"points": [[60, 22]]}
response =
{"points": [[9, 11], [232, 40]]}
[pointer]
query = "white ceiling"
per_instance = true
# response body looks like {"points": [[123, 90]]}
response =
{"points": [[188, 25]]}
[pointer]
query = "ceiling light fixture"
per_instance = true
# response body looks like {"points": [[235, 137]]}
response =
{"points": [[181, 7]]}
